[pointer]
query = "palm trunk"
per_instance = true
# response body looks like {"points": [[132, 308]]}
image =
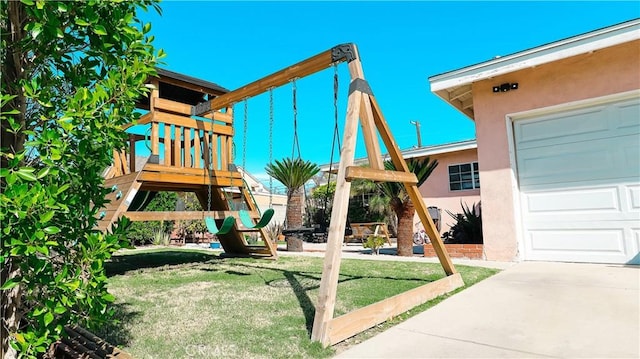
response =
{"points": [[294, 208], [294, 219], [405, 212]]}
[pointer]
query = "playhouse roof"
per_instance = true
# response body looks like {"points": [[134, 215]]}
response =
{"points": [[190, 82]]}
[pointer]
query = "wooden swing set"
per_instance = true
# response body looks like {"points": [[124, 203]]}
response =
{"points": [[185, 142]]}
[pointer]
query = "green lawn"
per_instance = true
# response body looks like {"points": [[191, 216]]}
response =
{"points": [[175, 303]]}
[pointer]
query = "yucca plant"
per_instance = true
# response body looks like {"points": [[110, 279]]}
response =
{"points": [[468, 226], [293, 174], [401, 204]]}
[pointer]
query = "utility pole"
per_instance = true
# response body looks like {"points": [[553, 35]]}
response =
{"points": [[417, 124]]}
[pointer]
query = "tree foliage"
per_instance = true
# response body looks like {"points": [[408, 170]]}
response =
{"points": [[71, 73], [293, 174], [394, 196]]}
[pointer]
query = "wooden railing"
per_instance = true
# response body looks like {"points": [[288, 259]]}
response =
{"points": [[180, 140]]}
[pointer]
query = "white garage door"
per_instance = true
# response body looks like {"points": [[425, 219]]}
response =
{"points": [[579, 179]]}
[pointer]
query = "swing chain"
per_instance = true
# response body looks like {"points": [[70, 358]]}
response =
{"points": [[271, 144], [244, 134], [336, 136], [209, 155], [335, 104], [296, 143]]}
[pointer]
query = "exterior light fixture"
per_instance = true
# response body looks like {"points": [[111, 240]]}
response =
{"points": [[505, 87]]}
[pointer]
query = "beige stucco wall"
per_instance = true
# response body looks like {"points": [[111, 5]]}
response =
{"points": [[600, 73], [279, 205], [435, 190]]}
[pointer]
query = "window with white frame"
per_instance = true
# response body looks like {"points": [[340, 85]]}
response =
{"points": [[464, 176]]}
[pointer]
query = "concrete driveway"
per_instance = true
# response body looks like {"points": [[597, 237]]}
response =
{"points": [[532, 309]]}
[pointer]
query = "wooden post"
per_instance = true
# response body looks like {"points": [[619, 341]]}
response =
{"points": [[370, 136], [187, 147], [412, 189], [132, 153], [167, 144], [196, 149], [155, 135], [177, 147], [331, 267]]}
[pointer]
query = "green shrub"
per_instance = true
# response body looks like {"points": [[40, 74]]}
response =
{"points": [[468, 226], [374, 242]]}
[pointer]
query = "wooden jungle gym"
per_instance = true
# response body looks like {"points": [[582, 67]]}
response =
{"points": [[191, 137]]}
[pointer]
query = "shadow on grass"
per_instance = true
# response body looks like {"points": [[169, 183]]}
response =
{"points": [[116, 332], [300, 282], [303, 282], [122, 264], [306, 304]]}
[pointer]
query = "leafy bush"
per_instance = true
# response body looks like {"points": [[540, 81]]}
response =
{"points": [[468, 226], [374, 242], [141, 233], [71, 76]]}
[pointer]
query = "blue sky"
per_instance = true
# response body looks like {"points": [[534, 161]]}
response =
{"points": [[401, 45]]}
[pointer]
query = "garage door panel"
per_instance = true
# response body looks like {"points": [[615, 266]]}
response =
{"points": [[608, 245], [577, 124], [573, 162], [579, 182], [628, 116], [578, 200], [633, 198], [594, 240]]}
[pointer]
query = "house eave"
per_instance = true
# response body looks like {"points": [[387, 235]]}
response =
{"points": [[455, 87], [581, 44]]}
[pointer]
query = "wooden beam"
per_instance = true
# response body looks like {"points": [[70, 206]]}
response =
{"points": [[175, 178], [132, 153], [370, 136], [460, 92], [197, 155], [117, 164], [303, 68], [412, 190], [178, 120], [352, 323], [155, 135], [357, 172], [187, 147], [167, 145], [172, 106], [179, 215], [204, 172], [467, 103], [177, 148], [220, 116], [331, 267], [120, 180]]}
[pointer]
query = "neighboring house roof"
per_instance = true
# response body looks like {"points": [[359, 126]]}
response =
{"points": [[416, 152], [455, 86]]}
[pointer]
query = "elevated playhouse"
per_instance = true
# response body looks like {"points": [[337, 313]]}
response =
{"points": [[188, 154]]}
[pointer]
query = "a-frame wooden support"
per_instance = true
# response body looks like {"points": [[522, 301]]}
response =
{"points": [[363, 106]]}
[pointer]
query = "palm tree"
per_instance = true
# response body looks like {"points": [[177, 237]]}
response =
{"points": [[293, 174], [395, 195]]}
